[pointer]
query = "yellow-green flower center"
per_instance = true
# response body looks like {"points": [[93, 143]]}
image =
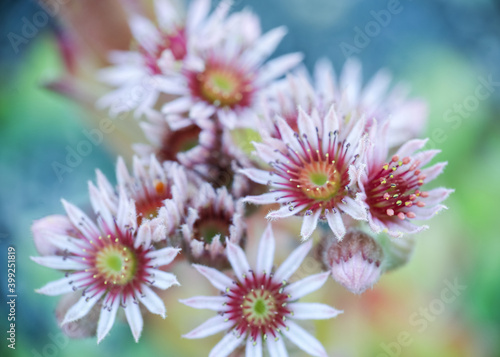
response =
{"points": [[221, 87], [319, 180], [259, 307], [116, 264]]}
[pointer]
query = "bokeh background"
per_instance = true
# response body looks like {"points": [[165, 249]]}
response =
{"points": [[445, 49]]}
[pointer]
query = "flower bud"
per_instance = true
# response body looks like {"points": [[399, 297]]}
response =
{"points": [[47, 227], [355, 262], [82, 328]]}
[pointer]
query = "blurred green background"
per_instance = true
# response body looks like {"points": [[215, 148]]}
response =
{"points": [[445, 49]]}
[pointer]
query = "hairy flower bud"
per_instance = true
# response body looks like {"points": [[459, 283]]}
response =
{"points": [[48, 228], [355, 262]]}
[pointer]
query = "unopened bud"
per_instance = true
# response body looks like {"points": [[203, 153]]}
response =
{"points": [[82, 328], [355, 262], [51, 226]]}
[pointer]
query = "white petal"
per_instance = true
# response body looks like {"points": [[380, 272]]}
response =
{"points": [[216, 278], [152, 301], [60, 262], [265, 254], [288, 135], [307, 127], [278, 66], [312, 311], [285, 211], [309, 224], [292, 263], [144, 32], [251, 350], [434, 171], [134, 318], [179, 105], [276, 348], [107, 319], [238, 260], [197, 12], [354, 208], [64, 242], [81, 308], [437, 195], [58, 287], [428, 212], [161, 279], [215, 303], [336, 224], [307, 285], [256, 175], [410, 147], [210, 327], [304, 340], [331, 124], [265, 45], [81, 220], [264, 199], [225, 346], [163, 256], [143, 236]]}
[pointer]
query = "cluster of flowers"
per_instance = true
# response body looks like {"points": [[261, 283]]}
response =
{"points": [[339, 155]]}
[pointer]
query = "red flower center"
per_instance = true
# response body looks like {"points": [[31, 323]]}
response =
{"points": [[394, 188]]}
